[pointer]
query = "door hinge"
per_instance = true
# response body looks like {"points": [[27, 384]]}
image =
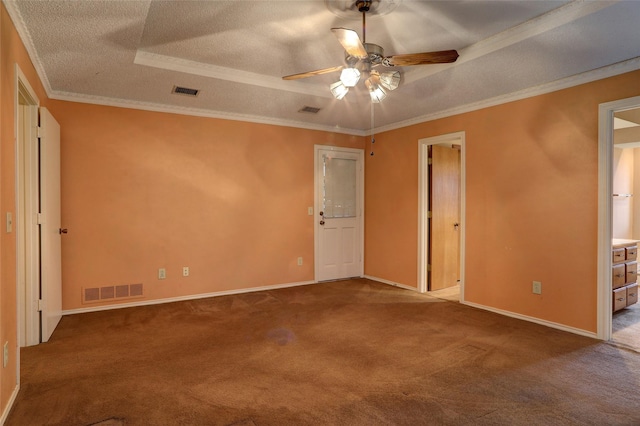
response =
{"points": [[39, 131], [429, 215], [428, 268], [40, 305], [39, 219], [430, 161]]}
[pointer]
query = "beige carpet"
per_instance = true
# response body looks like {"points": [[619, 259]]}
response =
{"points": [[344, 353]]}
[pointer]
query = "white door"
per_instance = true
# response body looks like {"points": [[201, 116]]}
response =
{"points": [[339, 219], [50, 229]]}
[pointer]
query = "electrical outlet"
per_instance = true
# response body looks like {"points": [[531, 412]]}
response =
{"points": [[185, 271], [537, 287], [5, 354], [162, 274], [300, 261]]}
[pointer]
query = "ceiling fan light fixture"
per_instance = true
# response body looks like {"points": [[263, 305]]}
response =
{"points": [[376, 92], [390, 79], [339, 90], [350, 77]]}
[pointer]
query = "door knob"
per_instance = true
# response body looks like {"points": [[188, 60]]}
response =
{"points": [[456, 225], [63, 231], [322, 222]]}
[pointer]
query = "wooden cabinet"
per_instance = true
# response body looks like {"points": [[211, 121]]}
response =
{"points": [[619, 276], [624, 274], [619, 298]]}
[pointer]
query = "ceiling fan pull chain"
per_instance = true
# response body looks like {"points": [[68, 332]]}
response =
{"points": [[373, 132]]}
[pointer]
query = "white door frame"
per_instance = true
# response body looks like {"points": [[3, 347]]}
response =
{"points": [[27, 202], [605, 205], [316, 205], [457, 138]]}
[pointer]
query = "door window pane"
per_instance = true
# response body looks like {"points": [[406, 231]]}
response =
{"points": [[339, 187]]}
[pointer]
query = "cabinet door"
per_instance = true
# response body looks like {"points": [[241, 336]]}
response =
{"points": [[619, 299], [619, 275], [631, 272], [632, 294], [618, 255]]}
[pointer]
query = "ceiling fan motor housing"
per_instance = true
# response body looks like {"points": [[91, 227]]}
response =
{"points": [[376, 53]]}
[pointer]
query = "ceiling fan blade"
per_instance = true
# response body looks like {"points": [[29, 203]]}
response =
{"points": [[312, 73], [441, 57], [351, 42]]}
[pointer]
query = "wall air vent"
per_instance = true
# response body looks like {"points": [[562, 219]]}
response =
{"points": [[310, 110], [185, 91], [112, 292]]}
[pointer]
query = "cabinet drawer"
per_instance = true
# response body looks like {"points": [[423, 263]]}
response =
{"points": [[619, 275], [619, 299], [619, 255], [631, 253], [632, 294], [631, 272]]}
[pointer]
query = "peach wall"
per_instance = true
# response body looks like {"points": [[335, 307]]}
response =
{"points": [[531, 202], [12, 51], [144, 190]]}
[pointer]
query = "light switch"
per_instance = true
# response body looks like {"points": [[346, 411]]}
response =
{"points": [[310, 211]]}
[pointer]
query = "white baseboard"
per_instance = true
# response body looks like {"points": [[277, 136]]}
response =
{"points": [[501, 312], [9, 406], [534, 320], [183, 298], [297, 284], [383, 281]]}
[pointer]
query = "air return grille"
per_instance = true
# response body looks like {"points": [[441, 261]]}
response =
{"points": [[185, 91], [309, 109], [111, 292]]}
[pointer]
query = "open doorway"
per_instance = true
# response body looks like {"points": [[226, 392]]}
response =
{"points": [[617, 239], [28, 206], [38, 217], [625, 229], [441, 215]]}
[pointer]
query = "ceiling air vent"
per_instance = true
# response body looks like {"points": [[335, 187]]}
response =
{"points": [[310, 110], [185, 91]]}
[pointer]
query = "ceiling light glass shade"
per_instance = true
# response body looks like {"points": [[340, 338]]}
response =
{"points": [[339, 90], [390, 79], [350, 76], [375, 91]]}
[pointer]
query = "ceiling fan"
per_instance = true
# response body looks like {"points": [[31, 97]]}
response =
{"points": [[362, 57]]}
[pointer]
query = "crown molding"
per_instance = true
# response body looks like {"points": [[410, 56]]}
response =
{"points": [[198, 112], [565, 83], [25, 36]]}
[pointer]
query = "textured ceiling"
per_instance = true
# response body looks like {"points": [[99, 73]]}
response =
{"points": [[132, 53]]}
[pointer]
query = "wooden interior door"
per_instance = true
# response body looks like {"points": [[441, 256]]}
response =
{"points": [[444, 224]]}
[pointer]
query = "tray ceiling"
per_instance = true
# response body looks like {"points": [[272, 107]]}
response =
{"points": [[133, 53]]}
